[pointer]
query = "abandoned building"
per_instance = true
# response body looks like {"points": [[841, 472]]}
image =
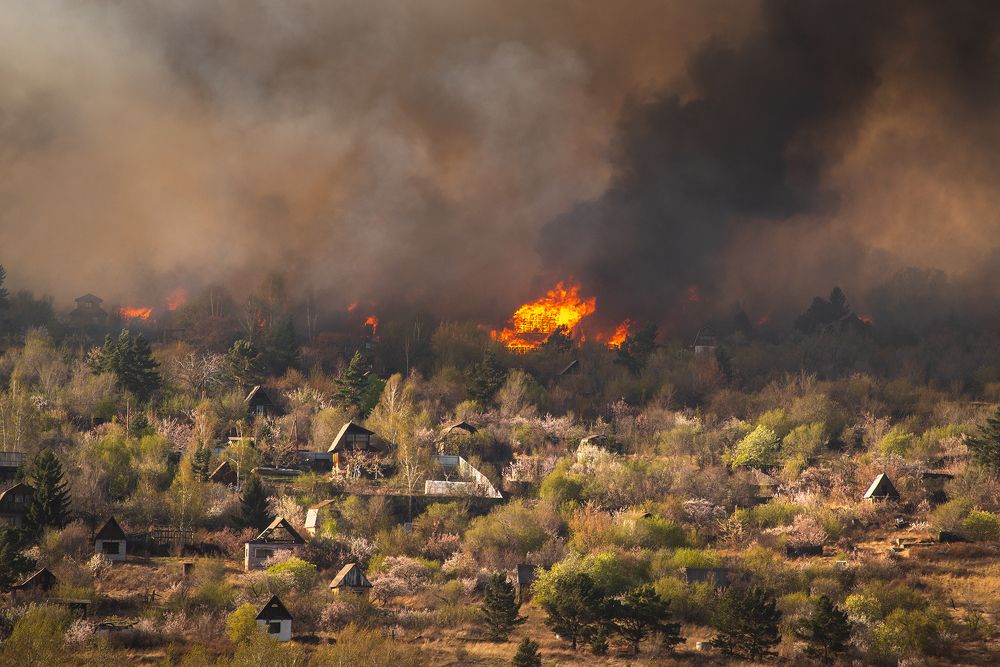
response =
{"points": [[224, 474], [88, 312], [353, 439], [41, 581], [274, 619], [110, 540], [259, 403], [278, 536], [317, 515], [716, 576], [10, 463], [881, 489], [468, 482], [14, 504], [351, 579]]}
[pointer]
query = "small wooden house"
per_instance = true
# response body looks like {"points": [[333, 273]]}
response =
{"points": [[14, 504], [224, 474], [766, 486], [110, 540], [351, 579], [259, 403], [88, 311], [717, 576], [10, 463], [353, 439], [275, 620], [317, 515], [881, 489], [278, 536], [525, 580], [41, 581], [705, 343]]}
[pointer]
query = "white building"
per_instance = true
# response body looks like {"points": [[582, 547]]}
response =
{"points": [[275, 620]]}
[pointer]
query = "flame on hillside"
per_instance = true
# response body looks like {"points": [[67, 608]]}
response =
{"points": [[618, 337], [176, 299], [372, 322], [534, 322], [135, 313]]}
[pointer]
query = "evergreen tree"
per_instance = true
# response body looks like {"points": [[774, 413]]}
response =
{"points": [[281, 351], [131, 361], [486, 379], [351, 384], [50, 503], [985, 445], [639, 613], [827, 630], [527, 654], [559, 340], [635, 350], [13, 564], [199, 462], [575, 608], [254, 512], [747, 621], [243, 365], [500, 608]]}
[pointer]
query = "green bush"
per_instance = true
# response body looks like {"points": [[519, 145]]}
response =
{"points": [[980, 525], [896, 441], [758, 449], [909, 634], [303, 574], [37, 638], [241, 625]]}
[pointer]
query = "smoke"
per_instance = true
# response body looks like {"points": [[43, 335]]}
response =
{"points": [[462, 156]]}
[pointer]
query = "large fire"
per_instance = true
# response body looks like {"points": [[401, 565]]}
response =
{"points": [[135, 313], [534, 322], [372, 322], [618, 337]]}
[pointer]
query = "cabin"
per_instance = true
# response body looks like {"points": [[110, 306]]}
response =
{"points": [[110, 540], [452, 431], [278, 536], [881, 489], [351, 579], [705, 343], [525, 579], [41, 581], [766, 486], [317, 515], [593, 445], [274, 619], [14, 504], [717, 576], [353, 439], [224, 474], [88, 311], [259, 404], [10, 463]]}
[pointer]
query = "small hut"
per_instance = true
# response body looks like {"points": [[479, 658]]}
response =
{"points": [[43, 580], [224, 474], [352, 580], [278, 536], [259, 403], [14, 503], [110, 540], [275, 620], [317, 514], [881, 489], [353, 439], [88, 311]]}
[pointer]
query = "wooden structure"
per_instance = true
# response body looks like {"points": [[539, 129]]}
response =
{"points": [[351, 579], [881, 489], [525, 580], [224, 474], [704, 343], [259, 403], [274, 619], [353, 439], [717, 576], [10, 463], [43, 581], [317, 514], [278, 536], [110, 540], [88, 311], [767, 486], [14, 504]]}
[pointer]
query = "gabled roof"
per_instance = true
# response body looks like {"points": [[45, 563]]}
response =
{"points": [[882, 488], [323, 503], [761, 478], [350, 428], [110, 531], [596, 439], [280, 522], [260, 394], [222, 473], [19, 487], [351, 576], [42, 579], [89, 298], [460, 425], [274, 611]]}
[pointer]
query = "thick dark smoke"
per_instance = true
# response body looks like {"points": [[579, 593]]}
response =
{"points": [[462, 156]]}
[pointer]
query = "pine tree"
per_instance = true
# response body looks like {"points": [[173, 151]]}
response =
{"points": [[50, 502], [635, 350], [254, 512], [131, 361], [486, 379], [199, 462], [281, 351], [747, 621], [527, 654], [500, 608], [575, 608], [13, 564], [351, 384], [243, 365], [985, 445], [639, 613], [827, 630]]}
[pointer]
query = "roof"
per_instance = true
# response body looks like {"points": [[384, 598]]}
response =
{"points": [[719, 575], [322, 504], [460, 425], [350, 428], [882, 488], [570, 367], [280, 522], [761, 478], [20, 486], [110, 531], [89, 298], [351, 576], [43, 579], [260, 393], [223, 472], [274, 611], [596, 439]]}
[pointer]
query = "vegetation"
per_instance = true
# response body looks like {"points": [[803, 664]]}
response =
{"points": [[500, 608]]}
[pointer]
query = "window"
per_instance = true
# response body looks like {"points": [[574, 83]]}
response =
{"points": [[110, 548], [263, 554], [274, 628]]}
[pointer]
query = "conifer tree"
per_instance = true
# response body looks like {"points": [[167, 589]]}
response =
{"points": [[747, 621], [13, 564], [199, 462], [351, 384], [826, 630], [131, 361], [254, 512], [500, 608], [50, 503], [243, 365], [574, 610], [985, 445], [639, 613], [486, 379], [527, 654]]}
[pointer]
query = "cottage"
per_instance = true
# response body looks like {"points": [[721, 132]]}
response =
{"points": [[275, 620], [278, 536], [110, 540], [317, 515], [88, 311], [881, 489], [43, 581], [453, 431], [767, 486], [14, 504], [259, 403], [10, 463], [224, 474], [717, 576], [353, 439], [351, 579]]}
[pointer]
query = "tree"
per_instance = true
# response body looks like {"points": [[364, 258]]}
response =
{"points": [[351, 384], [574, 608], [500, 608], [38, 638], [823, 312], [280, 351], [50, 502], [241, 625], [4, 297], [639, 613], [826, 630], [13, 564], [131, 361], [635, 350], [747, 621], [199, 462], [486, 378], [560, 340], [243, 365], [527, 654], [254, 512], [985, 445]]}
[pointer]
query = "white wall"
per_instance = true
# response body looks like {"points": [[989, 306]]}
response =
{"points": [[283, 636]]}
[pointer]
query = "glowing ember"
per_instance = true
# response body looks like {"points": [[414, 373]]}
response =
{"points": [[763, 319], [176, 299], [694, 294], [135, 313], [867, 319], [534, 322], [618, 337], [372, 322], [351, 308]]}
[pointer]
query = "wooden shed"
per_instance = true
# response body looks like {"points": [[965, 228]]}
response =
{"points": [[110, 540], [260, 404], [278, 536], [351, 579], [43, 580], [224, 474], [274, 619], [317, 514], [881, 489], [353, 439]]}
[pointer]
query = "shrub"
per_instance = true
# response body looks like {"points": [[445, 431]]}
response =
{"points": [[302, 574], [241, 625], [981, 526], [38, 635], [909, 634], [757, 449]]}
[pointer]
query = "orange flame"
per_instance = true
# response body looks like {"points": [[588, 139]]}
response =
{"points": [[351, 308], [534, 322], [135, 313], [618, 337], [176, 299], [372, 322]]}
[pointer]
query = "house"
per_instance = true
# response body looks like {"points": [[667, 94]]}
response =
{"points": [[524, 581], [317, 515], [593, 446], [278, 536], [881, 489], [704, 343], [275, 620], [351, 579], [766, 485], [14, 504], [10, 463], [315, 461], [110, 540], [259, 403], [717, 576], [451, 431], [88, 311], [470, 481], [224, 474], [43, 580], [353, 439]]}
